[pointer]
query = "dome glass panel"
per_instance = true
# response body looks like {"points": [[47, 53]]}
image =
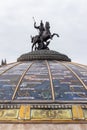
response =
{"points": [[43, 81]]}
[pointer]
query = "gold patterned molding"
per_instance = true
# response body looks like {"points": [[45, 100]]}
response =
{"points": [[26, 114]]}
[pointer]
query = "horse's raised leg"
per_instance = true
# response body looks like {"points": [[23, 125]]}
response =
{"points": [[33, 46]]}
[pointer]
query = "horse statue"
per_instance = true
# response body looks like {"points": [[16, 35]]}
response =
{"points": [[42, 42], [38, 44]]}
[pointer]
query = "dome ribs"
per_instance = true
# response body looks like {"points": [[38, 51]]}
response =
{"points": [[82, 66], [21, 78], [69, 68], [45, 81], [17, 63], [51, 81]]}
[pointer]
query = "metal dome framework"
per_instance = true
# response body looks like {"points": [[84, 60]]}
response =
{"points": [[43, 91]]}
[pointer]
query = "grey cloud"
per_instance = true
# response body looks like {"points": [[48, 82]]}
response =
{"points": [[67, 17]]}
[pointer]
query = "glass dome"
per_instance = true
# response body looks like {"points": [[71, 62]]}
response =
{"points": [[43, 81], [43, 91]]}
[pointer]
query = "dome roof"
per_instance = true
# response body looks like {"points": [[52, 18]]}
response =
{"points": [[43, 81], [43, 91]]}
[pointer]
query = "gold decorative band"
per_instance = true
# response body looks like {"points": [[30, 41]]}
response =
{"points": [[26, 114]]}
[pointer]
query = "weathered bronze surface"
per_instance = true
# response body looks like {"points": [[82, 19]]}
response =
{"points": [[42, 40]]}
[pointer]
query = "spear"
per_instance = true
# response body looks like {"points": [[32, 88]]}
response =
{"points": [[34, 22]]}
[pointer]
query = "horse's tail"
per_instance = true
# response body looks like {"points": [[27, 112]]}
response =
{"points": [[54, 34]]}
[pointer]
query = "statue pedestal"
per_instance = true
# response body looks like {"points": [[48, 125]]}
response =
{"points": [[43, 55]]}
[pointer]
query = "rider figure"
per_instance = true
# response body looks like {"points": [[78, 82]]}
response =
{"points": [[41, 41], [47, 27], [40, 28]]}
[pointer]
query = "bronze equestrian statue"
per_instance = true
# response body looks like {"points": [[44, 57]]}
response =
{"points": [[42, 40]]}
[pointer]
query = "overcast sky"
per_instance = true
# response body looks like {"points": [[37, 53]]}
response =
{"points": [[68, 18]]}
